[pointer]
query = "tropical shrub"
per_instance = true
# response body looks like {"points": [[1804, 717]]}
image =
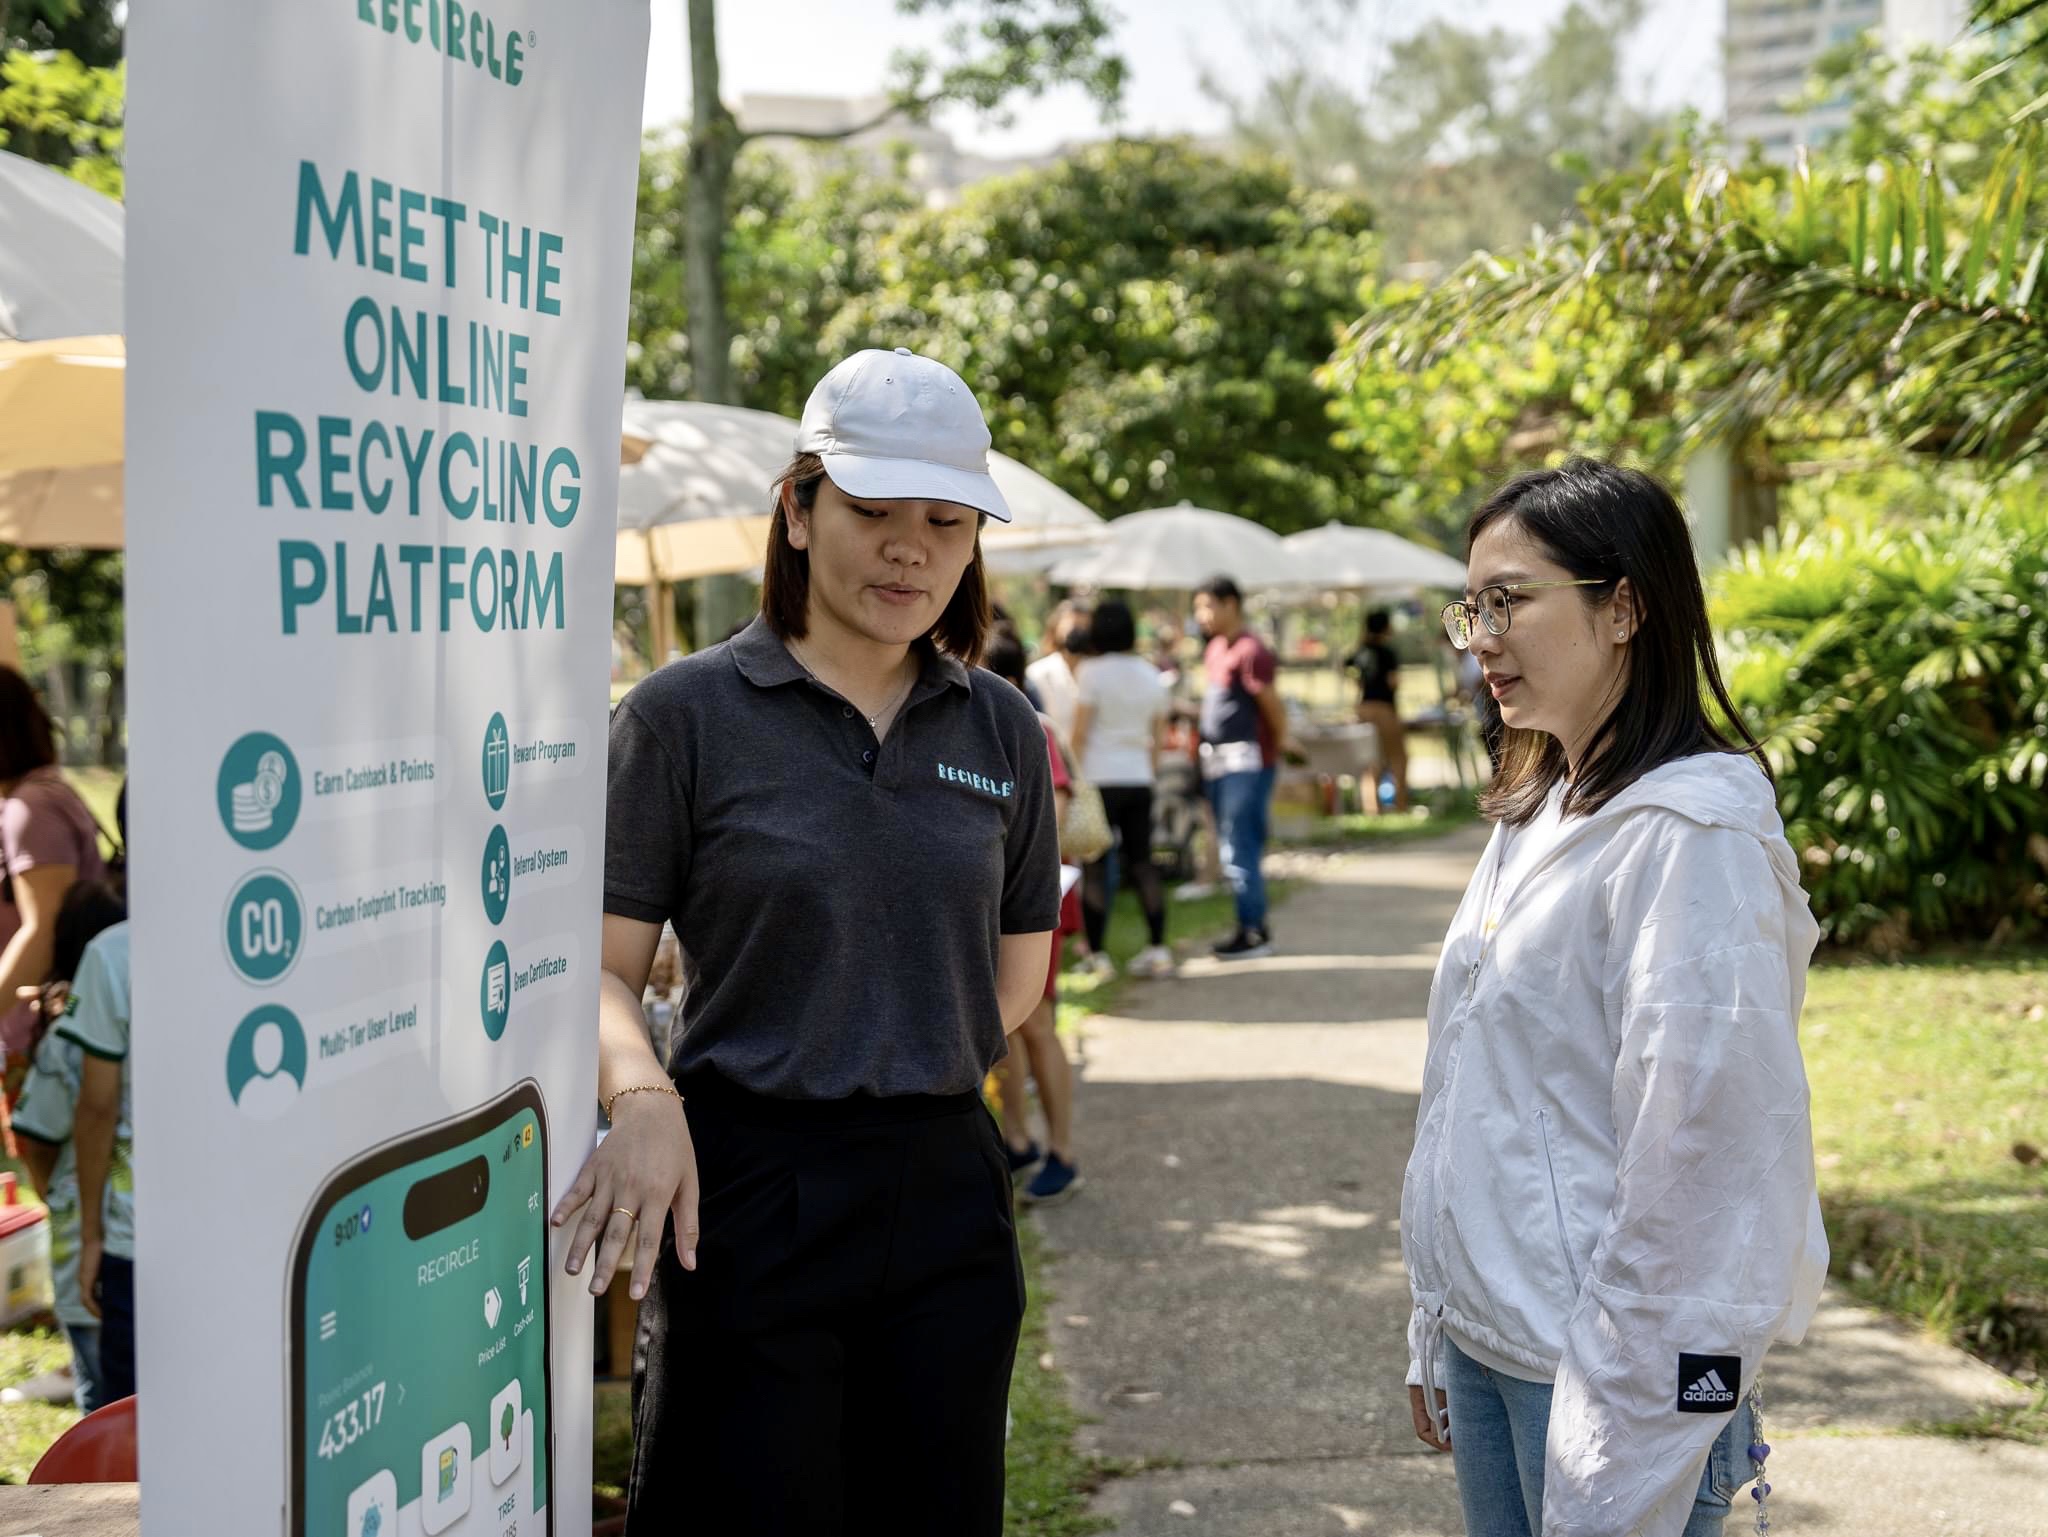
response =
{"points": [[1898, 672]]}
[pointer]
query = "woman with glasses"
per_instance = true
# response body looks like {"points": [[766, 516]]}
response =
{"points": [[1609, 1215]]}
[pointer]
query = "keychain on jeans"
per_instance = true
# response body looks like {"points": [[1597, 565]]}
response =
{"points": [[1759, 1453]]}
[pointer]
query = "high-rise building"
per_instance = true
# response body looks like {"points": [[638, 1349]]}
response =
{"points": [[1772, 46]]}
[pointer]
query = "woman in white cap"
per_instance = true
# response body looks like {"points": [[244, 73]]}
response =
{"points": [[852, 830], [1610, 1212]]}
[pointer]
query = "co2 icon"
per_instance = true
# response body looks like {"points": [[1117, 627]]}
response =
{"points": [[265, 927]]}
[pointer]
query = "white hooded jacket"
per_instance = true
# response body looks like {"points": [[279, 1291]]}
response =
{"points": [[1613, 1163]]}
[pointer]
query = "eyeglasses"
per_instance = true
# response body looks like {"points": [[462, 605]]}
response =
{"points": [[1494, 607]]}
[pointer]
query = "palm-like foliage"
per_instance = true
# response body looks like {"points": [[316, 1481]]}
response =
{"points": [[1898, 674], [1873, 293]]}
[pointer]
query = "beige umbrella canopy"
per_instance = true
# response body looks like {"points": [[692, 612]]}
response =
{"points": [[61, 442]]}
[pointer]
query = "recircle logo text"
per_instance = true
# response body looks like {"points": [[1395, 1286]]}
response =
{"points": [[1001, 789], [446, 27]]}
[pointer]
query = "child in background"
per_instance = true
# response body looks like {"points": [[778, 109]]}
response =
{"points": [[1037, 1039], [43, 1122]]}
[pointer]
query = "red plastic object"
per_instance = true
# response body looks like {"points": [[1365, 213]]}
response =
{"points": [[99, 1449], [15, 1214]]}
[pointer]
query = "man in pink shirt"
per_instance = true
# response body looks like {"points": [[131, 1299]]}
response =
{"points": [[1244, 734]]}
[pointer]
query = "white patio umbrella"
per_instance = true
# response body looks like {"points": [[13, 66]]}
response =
{"points": [[693, 496], [1178, 549], [1342, 557], [60, 255]]}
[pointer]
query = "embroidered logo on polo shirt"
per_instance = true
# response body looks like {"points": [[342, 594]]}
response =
{"points": [[1000, 789], [1707, 1384]]}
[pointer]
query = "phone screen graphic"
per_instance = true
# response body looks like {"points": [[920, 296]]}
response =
{"points": [[420, 1391]]}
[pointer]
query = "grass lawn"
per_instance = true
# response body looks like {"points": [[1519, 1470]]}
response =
{"points": [[1930, 1108], [1436, 813], [26, 1430]]}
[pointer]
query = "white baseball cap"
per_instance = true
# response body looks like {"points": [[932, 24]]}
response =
{"points": [[894, 424]]}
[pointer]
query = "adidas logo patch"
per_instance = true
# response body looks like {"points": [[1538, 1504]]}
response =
{"points": [[1710, 1389], [1708, 1384]]}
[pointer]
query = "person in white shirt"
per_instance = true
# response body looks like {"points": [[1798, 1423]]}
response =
{"points": [[1055, 673], [1119, 733], [1610, 1213]]}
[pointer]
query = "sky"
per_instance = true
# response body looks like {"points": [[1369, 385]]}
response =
{"points": [[842, 48]]}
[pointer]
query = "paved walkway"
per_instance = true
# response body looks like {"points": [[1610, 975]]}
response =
{"points": [[1230, 1300]]}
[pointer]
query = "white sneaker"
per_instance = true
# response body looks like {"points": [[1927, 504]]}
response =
{"points": [[1152, 961], [1099, 966], [1194, 891]]}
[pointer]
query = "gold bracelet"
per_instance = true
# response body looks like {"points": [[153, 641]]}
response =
{"points": [[641, 1088]]}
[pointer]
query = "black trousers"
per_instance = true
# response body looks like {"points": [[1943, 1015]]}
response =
{"points": [[839, 1362], [1129, 809], [116, 1296]]}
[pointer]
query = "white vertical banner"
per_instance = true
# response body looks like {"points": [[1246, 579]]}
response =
{"points": [[378, 259]]}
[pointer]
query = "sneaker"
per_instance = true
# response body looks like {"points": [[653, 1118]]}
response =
{"points": [[1194, 891], [1022, 1158], [1152, 961], [1244, 945], [1098, 966], [58, 1387], [1057, 1180]]}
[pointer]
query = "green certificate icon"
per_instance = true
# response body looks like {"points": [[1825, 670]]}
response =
{"points": [[494, 997]]}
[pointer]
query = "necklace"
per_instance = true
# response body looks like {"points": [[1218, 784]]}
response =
{"points": [[875, 720]]}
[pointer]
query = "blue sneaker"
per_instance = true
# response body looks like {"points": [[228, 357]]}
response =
{"points": [[1057, 1180], [1023, 1158]]}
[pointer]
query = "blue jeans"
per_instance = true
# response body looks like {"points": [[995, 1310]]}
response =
{"points": [[1498, 1427], [85, 1365], [1240, 802]]}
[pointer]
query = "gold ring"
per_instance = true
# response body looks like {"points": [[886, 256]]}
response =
{"points": [[630, 1216]]}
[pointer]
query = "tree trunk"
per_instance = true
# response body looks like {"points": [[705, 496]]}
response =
{"points": [[714, 143], [1753, 500]]}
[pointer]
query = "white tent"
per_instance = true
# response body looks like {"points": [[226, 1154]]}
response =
{"points": [[1342, 557], [1178, 549]]}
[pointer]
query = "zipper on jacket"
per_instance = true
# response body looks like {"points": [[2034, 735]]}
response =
{"points": [[1556, 1201]]}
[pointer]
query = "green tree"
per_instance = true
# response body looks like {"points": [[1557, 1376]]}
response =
{"points": [[1466, 136], [801, 247], [1000, 50], [1145, 321], [62, 86]]}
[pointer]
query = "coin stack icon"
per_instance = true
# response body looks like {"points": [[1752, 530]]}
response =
{"points": [[255, 803]]}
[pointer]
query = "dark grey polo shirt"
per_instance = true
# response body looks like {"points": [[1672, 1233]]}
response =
{"points": [[840, 901]]}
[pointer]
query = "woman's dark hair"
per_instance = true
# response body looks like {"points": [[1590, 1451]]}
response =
{"points": [[89, 907], [27, 740], [1112, 628], [962, 630], [1219, 588], [1005, 658], [1378, 623], [1603, 522]]}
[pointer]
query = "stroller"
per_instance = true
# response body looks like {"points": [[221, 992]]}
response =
{"points": [[1177, 809]]}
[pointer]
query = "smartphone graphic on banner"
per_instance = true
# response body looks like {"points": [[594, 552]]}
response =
{"points": [[420, 1394]]}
